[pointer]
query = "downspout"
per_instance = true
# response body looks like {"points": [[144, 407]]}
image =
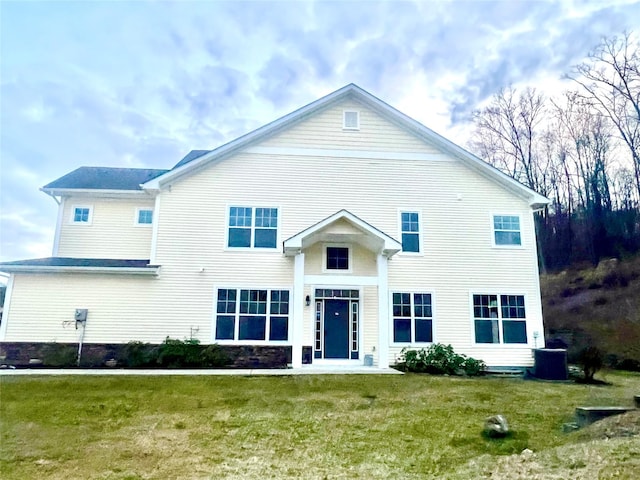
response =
{"points": [[80, 340]]}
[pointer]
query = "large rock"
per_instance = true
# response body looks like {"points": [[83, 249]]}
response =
{"points": [[496, 426]]}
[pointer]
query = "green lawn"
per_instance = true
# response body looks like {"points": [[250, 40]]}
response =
{"points": [[351, 426]]}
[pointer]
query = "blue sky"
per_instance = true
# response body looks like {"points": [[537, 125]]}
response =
{"points": [[140, 83]]}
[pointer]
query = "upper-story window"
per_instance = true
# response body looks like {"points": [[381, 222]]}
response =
{"points": [[351, 120], [252, 227], [506, 230], [337, 258], [410, 231], [144, 216], [82, 215]]}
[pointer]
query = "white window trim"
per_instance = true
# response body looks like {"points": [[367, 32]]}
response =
{"points": [[434, 338], [420, 251], [344, 120], [493, 231], [73, 215], [237, 314], [334, 270], [253, 207], [136, 218], [501, 344]]}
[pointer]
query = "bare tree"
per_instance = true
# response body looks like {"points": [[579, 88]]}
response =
{"points": [[506, 133], [610, 81]]}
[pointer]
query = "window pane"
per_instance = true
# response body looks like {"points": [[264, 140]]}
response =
{"points": [[265, 238], [402, 330], [81, 215], [240, 216], [145, 217], [423, 331], [410, 242], [252, 328], [226, 301], [239, 237], [514, 331], [410, 222], [512, 306], [487, 331], [225, 325], [266, 217], [337, 258], [279, 328], [508, 238], [279, 302], [422, 305]]}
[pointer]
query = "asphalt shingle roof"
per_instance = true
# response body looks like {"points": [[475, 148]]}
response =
{"points": [[105, 178], [79, 262], [192, 155]]}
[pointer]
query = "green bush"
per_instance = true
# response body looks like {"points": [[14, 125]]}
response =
{"points": [[59, 355], [174, 353], [439, 359], [137, 354]]}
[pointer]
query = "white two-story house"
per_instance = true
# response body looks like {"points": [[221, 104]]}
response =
{"points": [[342, 231]]}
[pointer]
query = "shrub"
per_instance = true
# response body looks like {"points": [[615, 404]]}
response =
{"points": [[591, 360], [214, 356], [174, 353], [59, 355], [137, 354], [439, 359]]}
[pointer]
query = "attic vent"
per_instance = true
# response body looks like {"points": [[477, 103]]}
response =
{"points": [[351, 120]]}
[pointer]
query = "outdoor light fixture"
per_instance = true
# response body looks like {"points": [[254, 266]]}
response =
{"points": [[308, 300]]}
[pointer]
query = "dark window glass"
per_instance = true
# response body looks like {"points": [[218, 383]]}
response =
{"points": [[423, 330], [145, 216], [514, 331], [279, 328], [279, 302], [422, 305], [402, 330], [410, 242], [512, 306], [226, 301], [225, 325], [487, 331], [337, 258], [81, 215], [265, 238], [239, 237], [252, 327]]}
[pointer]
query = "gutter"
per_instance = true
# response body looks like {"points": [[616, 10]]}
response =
{"points": [[154, 270]]}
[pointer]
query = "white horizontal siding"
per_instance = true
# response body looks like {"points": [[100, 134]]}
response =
{"points": [[324, 130], [112, 232]]}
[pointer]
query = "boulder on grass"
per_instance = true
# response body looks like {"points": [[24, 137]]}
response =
{"points": [[496, 426]]}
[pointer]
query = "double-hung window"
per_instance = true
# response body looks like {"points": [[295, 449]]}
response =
{"points": [[251, 227], [412, 318], [252, 314], [499, 318], [410, 231], [506, 230]]}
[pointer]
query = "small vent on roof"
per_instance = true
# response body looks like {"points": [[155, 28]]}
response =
{"points": [[351, 120]]}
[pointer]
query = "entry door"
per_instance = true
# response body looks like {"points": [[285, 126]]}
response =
{"points": [[336, 329]]}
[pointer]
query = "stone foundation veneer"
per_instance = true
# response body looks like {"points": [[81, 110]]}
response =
{"points": [[95, 355]]}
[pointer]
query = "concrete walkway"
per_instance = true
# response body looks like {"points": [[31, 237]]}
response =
{"points": [[307, 370]]}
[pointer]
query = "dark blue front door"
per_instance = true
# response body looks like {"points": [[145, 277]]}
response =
{"points": [[336, 329]]}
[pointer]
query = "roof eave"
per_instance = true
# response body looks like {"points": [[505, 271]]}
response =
{"points": [[154, 270], [95, 192]]}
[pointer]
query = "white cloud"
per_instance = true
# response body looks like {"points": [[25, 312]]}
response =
{"points": [[141, 83]]}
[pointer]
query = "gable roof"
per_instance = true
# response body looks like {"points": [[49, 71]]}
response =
{"points": [[104, 178], [372, 237], [187, 167]]}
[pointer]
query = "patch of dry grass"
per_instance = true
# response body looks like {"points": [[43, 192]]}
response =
{"points": [[315, 427]]}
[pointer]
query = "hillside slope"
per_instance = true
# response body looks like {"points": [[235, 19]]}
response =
{"points": [[596, 306]]}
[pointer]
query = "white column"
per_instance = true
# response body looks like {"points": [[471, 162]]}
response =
{"points": [[297, 325], [383, 311]]}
